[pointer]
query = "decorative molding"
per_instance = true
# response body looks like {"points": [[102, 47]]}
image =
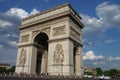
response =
{"points": [[61, 30], [46, 30], [45, 15], [75, 34], [24, 38], [38, 21], [58, 57], [22, 57], [43, 25], [35, 32]]}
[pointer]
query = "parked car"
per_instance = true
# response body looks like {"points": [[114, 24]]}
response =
{"points": [[104, 77], [87, 76]]}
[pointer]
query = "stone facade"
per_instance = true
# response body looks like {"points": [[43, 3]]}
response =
{"points": [[50, 42]]}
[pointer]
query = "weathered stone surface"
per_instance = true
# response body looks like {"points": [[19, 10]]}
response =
{"points": [[51, 43]]}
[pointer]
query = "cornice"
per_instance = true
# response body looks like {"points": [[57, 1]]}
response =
{"points": [[52, 9], [37, 18], [40, 21]]}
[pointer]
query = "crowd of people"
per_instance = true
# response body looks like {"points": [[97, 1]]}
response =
{"points": [[24, 76]]}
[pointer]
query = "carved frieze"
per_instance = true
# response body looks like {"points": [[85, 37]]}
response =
{"points": [[43, 25], [24, 38], [47, 14], [61, 30], [22, 57], [75, 34], [58, 57]]}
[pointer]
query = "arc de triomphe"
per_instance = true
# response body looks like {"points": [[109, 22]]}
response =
{"points": [[50, 42]]}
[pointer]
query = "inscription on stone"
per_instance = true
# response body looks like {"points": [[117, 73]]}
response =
{"points": [[58, 56], [22, 57], [25, 38], [59, 31]]}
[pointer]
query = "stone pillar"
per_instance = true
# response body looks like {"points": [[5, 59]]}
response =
{"points": [[81, 62], [33, 57], [77, 62], [44, 62], [54, 65], [71, 57]]}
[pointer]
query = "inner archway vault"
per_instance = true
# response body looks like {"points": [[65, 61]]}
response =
{"points": [[41, 45]]}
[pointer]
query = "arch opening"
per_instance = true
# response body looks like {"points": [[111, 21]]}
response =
{"points": [[41, 43], [74, 59]]}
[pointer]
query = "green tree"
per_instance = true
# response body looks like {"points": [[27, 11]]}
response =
{"points": [[99, 71], [88, 73], [106, 73], [12, 69], [113, 72], [2, 69]]}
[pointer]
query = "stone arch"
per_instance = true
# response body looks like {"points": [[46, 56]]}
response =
{"points": [[62, 28], [36, 32], [41, 38], [41, 45]]}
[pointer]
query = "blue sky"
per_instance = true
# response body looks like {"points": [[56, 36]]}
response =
{"points": [[101, 33]]}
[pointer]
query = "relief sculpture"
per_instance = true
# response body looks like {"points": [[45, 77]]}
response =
{"points": [[25, 38], [75, 34], [58, 31], [58, 56], [22, 57]]}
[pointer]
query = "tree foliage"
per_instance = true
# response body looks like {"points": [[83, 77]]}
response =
{"points": [[114, 71], [110, 72], [4, 70], [99, 71], [88, 73], [12, 69]]}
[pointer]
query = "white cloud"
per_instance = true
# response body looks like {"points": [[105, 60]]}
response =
{"points": [[6, 35], [5, 24], [1, 46], [91, 56], [9, 35], [99, 63], [92, 24], [13, 43], [34, 11], [46, 0], [109, 41], [114, 58], [20, 13], [17, 12], [109, 13], [16, 36], [87, 42], [108, 16], [9, 21]]}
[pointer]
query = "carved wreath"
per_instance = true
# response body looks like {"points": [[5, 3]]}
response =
{"points": [[22, 57], [58, 56]]}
